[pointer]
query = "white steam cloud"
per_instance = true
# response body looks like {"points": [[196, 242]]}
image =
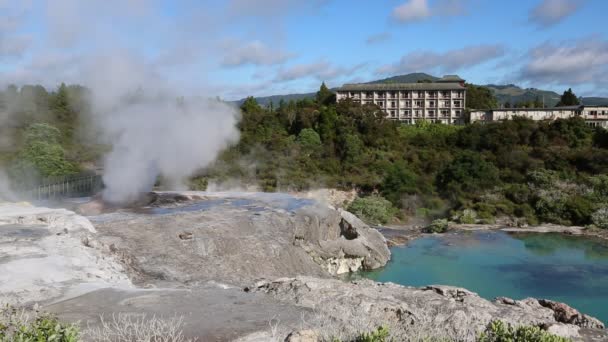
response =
{"points": [[153, 131]]}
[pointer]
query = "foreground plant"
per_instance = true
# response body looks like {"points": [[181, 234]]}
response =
{"points": [[499, 331], [124, 327], [18, 326]]}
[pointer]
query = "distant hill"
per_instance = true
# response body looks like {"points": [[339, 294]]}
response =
{"points": [[409, 78], [514, 94], [504, 93]]}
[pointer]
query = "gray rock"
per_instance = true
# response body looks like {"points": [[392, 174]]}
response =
{"points": [[432, 311], [238, 238]]}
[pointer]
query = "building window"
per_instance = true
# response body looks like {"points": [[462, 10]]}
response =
{"points": [[432, 94], [431, 112], [393, 114], [432, 103], [456, 103], [369, 95], [445, 112], [393, 95], [369, 102], [457, 113], [420, 94], [446, 103], [417, 112], [419, 103], [393, 104], [380, 104], [445, 94], [405, 94]]}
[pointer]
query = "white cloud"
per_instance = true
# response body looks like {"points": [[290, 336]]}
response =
{"points": [[321, 70], [575, 62], [551, 12], [417, 10], [237, 53], [448, 61], [412, 10]]}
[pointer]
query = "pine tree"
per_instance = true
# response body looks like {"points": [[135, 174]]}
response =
{"points": [[568, 99], [324, 95]]}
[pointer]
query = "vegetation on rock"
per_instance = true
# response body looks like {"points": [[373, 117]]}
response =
{"points": [[499, 331], [17, 326], [373, 209]]}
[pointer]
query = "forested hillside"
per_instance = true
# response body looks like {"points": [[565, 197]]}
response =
{"points": [[529, 171]]}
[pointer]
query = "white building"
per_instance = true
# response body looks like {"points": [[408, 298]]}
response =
{"points": [[593, 115], [440, 101]]}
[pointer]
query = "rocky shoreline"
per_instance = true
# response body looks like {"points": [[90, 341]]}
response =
{"points": [[241, 267], [398, 235]]}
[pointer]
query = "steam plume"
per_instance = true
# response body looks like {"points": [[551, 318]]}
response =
{"points": [[152, 130]]}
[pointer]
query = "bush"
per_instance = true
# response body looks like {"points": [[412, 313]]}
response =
{"points": [[600, 218], [373, 209], [438, 226], [380, 335], [498, 331], [468, 216], [42, 153], [579, 210], [16, 325]]}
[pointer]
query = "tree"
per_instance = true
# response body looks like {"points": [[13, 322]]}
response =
{"points": [[42, 153], [507, 104], [309, 140], [325, 96], [399, 180], [468, 172], [479, 97], [60, 105], [568, 98]]}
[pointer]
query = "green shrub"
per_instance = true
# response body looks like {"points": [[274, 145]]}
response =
{"points": [[600, 218], [380, 335], [527, 212], [423, 212], [468, 216], [42, 153], [579, 210], [438, 226], [499, 331], [16, 327], [373, 209]]}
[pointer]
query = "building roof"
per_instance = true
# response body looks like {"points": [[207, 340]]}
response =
{"points": [[400, 86], [530, 109]]}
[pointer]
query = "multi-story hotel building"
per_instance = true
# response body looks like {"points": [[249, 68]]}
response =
{"points": [[440, 101]]}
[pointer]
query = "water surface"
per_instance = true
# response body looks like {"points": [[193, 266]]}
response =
{"points": [[569, 269]]}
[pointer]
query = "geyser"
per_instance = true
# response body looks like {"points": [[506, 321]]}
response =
{"points": [[152, 130]]}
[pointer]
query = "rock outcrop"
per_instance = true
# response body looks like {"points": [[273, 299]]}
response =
{"points": [[44, 255], [431, 311], [238, 238]]}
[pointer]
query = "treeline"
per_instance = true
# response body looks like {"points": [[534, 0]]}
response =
{"points": [[40, 131], [527, 171]]}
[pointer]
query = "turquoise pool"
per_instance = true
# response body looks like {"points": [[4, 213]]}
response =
{"points": [[569, 269]]}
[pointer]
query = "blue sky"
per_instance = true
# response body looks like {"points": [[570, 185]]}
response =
{"points": [[236, 48]]}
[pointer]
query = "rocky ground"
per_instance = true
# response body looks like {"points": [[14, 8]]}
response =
{"points": [[238, 266]]}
